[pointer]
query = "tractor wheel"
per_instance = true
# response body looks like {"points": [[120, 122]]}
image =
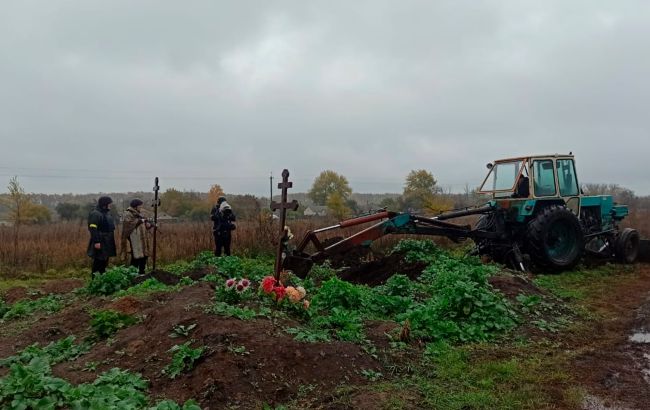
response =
{"points": [[626, 246], [554, 238]]}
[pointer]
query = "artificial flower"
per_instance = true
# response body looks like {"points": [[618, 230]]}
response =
{"points": [[230, 283], [268, 283], [302, 291], [280, 292], [293, 294]]}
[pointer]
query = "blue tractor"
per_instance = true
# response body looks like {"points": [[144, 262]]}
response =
{"points": [[536, 216]]}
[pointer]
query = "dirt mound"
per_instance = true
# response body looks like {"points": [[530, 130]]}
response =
{"points": [[162, 276], [58, 286], [245, 362], [127, 305], [200, 273], [61, 286], [13, 295], [513, 285], [172, 279], [377, 272]]}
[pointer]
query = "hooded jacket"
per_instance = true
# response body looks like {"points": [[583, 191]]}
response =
{"points": [[101, 227]]}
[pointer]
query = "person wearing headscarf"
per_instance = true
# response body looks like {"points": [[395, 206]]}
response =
{"points": [[134, 244], [223, 219], [102, 239]]}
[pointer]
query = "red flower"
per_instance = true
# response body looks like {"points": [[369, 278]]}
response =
{"points": [[245, 283], [268, 283], [240, 288], [280, 292], [230, 283]]}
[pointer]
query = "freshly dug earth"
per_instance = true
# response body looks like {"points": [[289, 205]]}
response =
{"points": [[245, 362], [172, 279], [377, 272], [57, 287]]}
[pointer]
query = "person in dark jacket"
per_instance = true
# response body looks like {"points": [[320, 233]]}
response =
{"points": [[102, 239], [223, 219]]}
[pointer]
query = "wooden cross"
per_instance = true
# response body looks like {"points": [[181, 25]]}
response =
{"points": [[283, 205]]}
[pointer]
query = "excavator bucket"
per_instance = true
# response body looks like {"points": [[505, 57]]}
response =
{"points": [[644, 250]]}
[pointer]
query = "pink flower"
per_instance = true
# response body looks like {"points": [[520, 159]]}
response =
{"points": [[230, 283], [245, 283], [280, 292], [268, 284], [293, 294], [305, 304], [240, 288]]}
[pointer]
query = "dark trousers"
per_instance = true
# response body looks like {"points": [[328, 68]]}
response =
{"points": [[222, 241], [99, 265], [140, 263]]}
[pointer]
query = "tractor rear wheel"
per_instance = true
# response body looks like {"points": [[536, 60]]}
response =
{"points": [[626, 247], [554, 239]]}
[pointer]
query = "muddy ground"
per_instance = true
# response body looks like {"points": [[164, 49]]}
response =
{"points": [[252, 362]]}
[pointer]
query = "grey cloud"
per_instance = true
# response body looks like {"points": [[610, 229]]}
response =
{"points": [[371, 89]]}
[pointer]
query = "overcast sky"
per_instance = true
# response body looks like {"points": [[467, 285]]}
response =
{"points": [[101, 96]]}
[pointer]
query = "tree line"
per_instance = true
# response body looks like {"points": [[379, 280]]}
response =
{"points": [[421, 194]]}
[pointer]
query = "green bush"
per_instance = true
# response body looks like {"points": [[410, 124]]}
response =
{"points": [[106, 322], [25, 307], [183, 359], [56, 352], [115, 279], [463, 306], [415, 250], [336, 293]]}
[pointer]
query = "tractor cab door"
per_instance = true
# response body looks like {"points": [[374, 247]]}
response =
{"points": [[567, 183]]}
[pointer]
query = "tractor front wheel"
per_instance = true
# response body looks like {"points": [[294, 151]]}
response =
{"points": [[626, 246], [554, 239]]}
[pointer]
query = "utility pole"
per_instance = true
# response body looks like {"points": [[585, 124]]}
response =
{"points": [[271, 188], [156, 204]]}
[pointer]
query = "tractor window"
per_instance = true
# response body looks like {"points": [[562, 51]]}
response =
{"points": [[502, 177], [566, 177], [544, 175]]}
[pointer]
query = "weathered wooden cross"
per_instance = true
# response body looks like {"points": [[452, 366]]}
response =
{"points": [[283, 205]]}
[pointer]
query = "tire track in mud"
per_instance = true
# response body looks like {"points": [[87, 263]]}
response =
{"points": [[614, 366]]}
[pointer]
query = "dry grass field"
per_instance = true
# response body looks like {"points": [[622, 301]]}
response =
{"points": [[63, 245]]}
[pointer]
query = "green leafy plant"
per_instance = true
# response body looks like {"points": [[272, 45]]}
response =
{"points": [[115, 279], [309, 335], [414, 250], [371, 374], [239, 350], [55, 352], [106, 322], [4, 307], [345, 324], [150, 285], [183, 359], [336, 293], [182, 330], [172, 405], [224, 309], [26, 307]]}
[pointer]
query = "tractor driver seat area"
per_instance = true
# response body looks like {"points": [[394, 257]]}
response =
{"points": [[523, 188]]}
